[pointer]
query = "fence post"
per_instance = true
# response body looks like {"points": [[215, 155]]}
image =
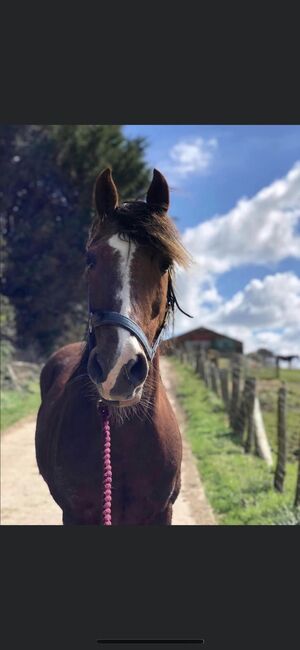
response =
{"points": [[207, 374], [281, 432], [224, 387], [262, 446], [235, 394], [202, 365], [251, 388], [13, 377], [215, 379], [241, 416]]}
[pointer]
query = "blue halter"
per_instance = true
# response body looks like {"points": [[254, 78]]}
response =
{"points": [[98, 317]]}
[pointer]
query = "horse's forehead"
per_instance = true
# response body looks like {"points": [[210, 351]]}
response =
{"points": [[125, 248]]}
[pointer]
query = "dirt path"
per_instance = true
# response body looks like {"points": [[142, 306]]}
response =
{"points": [[25, 498], [191, 507]]}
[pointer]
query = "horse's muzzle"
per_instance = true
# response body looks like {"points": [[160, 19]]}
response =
{"points": [[122, 387]]}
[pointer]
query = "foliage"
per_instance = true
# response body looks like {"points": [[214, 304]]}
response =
{"points": [[238, 485], [47, 180], [7, 335]]}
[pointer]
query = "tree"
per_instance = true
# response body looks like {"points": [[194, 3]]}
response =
{"points": [[47, 183]]}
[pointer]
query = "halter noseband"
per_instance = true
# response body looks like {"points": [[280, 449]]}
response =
{"points": [[98, 317]]}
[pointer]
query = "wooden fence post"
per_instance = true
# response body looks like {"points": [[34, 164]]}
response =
{"points": [[262, 446], [250, 413], [202, 365], [224, 387], [281, 432], [241, 416], [215, 378], [207, 375], [13, 377], [235, 394]]}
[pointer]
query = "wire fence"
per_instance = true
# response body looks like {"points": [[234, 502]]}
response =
{"points": [[238, 390]]}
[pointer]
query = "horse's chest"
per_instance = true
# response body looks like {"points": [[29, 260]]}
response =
{"points": [[143, 480]]}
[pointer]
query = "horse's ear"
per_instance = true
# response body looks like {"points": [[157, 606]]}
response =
{"points": [[105, 193], [158, 197]]}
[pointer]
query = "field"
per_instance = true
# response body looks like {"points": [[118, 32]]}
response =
{"points": [[267, 389], [239, 486]]}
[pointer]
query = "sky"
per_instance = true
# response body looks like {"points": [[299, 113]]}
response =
{"points": [[235, 198]]}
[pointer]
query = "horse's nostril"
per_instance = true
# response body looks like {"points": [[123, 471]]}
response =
{"points": [[137, 369]]}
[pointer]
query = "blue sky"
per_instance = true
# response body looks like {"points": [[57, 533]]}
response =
{"points": [[235, 195]]}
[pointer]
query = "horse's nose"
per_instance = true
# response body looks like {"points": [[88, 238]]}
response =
{"points": [[132, 375]]}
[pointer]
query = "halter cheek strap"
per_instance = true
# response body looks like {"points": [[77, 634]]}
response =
{"points": [[99, 318]]}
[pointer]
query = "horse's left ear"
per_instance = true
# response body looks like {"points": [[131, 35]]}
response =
{"points": [[158, 197], [105, 193]]}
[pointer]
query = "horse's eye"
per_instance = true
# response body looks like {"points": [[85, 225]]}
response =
{"points": [[164, 266]]}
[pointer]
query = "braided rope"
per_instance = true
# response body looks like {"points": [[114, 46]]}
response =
{"points": [[107, 471]]}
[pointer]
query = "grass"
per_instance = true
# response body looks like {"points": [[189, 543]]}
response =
{"points": [[268, 395], [17, 404], [239, 486]]}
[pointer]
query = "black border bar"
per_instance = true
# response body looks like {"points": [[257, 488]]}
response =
{"points": [[123, 641]]}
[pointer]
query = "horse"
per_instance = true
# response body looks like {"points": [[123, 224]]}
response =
{"points": [[131, 254]]}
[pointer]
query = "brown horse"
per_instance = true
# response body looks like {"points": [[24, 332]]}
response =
{"points": [[131, 253]]}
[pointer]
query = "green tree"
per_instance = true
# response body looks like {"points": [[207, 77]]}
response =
{"points": [[47, 183]]}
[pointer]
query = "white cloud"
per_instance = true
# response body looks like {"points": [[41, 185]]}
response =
{"points": [[271, 302], [189, 157], [266, 313], [260, 230]]}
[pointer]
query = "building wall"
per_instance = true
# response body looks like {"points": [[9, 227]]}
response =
{"points": [[207, 339]]}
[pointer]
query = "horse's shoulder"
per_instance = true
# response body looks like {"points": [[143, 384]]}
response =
{"points": [[60, 362]]}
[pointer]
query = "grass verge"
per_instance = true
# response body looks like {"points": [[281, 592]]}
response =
{"points": [[239, 486], [17, 404]]}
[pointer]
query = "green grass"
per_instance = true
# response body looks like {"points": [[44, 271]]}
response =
{"points": [[268, 395], [288, 375], [239, 486], [17, 404]]}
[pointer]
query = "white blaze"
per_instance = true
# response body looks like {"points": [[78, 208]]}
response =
{"points": [[128, 346]]}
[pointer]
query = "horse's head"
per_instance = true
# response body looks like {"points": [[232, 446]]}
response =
{"points": [[130, 256]]}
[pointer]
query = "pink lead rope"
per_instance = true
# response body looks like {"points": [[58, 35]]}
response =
{"points": [[107, 472]]}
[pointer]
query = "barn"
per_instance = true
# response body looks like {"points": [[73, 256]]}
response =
{"points": [[208, 339]]}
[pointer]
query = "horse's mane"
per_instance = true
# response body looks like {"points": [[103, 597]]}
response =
{"points": [[134, 220]]}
